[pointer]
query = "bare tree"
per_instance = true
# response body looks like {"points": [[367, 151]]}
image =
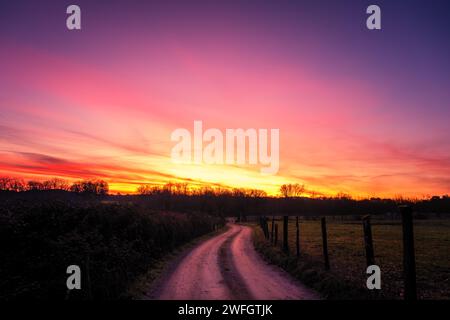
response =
{"points": [[99, 187], [292, 190], [255, 193], [145, 189], [181, 188], [12, 184], [35, 185], [56, 184]]}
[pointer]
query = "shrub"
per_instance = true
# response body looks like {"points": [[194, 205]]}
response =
{"points": [[111, 243]]}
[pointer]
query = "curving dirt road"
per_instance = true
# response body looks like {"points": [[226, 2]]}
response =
{"points": [[228, 267]]}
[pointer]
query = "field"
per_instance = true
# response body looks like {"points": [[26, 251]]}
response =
{"points": [[347, 255]]}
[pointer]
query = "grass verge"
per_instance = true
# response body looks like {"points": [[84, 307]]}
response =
{"points": [[311, 272]]}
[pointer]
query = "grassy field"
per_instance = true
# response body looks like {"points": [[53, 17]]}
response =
{"points": [[347, 255]]}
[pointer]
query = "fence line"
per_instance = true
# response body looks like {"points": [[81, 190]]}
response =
{"points": [[326, 259], [368, 242], [409, 261]]}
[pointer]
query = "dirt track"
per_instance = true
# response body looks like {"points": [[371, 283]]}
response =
{"points": [[228, 267]]}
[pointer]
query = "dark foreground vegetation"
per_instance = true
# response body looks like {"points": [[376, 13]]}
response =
{"points": [[113, 243], [47, 226]]}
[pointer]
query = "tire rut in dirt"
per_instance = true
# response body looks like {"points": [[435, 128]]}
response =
{"points": [[233, 279]]}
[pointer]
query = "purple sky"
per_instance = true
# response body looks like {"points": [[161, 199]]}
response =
{"points": [[359, 111]]}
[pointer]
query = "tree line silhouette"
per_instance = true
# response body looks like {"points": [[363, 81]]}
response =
{"points": [[99, 187], [293, 199]]}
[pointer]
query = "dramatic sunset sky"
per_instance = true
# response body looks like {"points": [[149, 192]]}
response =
{"points": [[361, 112]]}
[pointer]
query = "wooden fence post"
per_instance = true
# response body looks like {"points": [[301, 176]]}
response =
{"points": [[368, 243], [273, 227], [261, 222], [409, 259], [88, 277], [297, 242], [266, 228], [276, 235], [325, 244], [285, 233]]}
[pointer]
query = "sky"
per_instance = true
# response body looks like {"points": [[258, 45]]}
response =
{"points": [[362, 112]]}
